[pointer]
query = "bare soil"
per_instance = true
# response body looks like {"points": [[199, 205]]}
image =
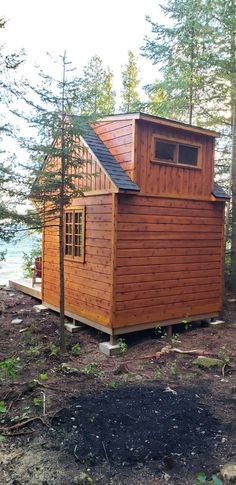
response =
{"points": [[126, 420]]}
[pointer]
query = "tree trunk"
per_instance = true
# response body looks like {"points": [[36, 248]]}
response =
{"points": [[233, 159], [233, 200], [61, 219]]}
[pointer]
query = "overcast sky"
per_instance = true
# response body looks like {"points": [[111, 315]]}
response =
{"points": [[107, 28]]}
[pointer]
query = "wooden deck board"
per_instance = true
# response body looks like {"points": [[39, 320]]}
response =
{"points": [[25, 286]]}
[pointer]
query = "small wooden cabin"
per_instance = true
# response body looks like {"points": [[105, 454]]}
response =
{"points": [[144, 246]]}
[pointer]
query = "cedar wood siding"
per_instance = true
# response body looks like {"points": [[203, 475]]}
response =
{"points": [[118, 138], [153, 256], [163, 179], [168, 259], [93, 178], [88, 285]]}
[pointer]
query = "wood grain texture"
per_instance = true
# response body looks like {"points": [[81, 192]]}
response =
{"points": [[118, 138], [88, 288], [169, 259], [163, 179]]}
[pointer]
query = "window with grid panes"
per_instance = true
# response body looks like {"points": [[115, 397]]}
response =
{"points": [[74, 234]]}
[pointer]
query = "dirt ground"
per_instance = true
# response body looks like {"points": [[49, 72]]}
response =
{"points": [[127, 420]]}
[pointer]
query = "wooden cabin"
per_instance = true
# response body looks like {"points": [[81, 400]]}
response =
{"points": [[144, 245]]}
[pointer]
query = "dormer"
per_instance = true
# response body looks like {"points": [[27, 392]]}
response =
{"points": [[163, 157]]}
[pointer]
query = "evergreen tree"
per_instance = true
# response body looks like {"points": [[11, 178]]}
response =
{"points": [[181, 51], [56, 158], [157, 100], [95, 95], [224, 94], [196, 53], [9, 92], [129, 96]]}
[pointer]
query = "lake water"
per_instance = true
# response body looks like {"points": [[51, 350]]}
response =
{"points": [[11, 268]]}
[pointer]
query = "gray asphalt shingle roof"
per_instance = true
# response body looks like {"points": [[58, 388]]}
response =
{"points": [[108, 162], [219, 192]]}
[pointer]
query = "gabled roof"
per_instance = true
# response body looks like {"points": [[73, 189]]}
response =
{"points": [[116, 173], [219, 192]]}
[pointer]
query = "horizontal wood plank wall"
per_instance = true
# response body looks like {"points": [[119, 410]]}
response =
{"points": [[88, 284], [167, 180], [117, 136], [169, 259]]}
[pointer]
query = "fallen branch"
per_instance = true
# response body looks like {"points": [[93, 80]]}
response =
{"points": [[168, 350], [21, 424], [189, 352]]}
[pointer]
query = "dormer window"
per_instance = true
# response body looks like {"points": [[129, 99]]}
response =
{"points": [[175, 153], [165, 151]]}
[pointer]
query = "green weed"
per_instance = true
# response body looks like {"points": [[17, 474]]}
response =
{"points": [[43, 376], [9, 368], [3, 407], [90, 369], [35, 350], [201, 479], [113, 384], [54, 350], [157, 373], [76, 349], [160, 332], [25, 414], [223, 354], [37, 401], [123, 347], [175, 338], [173, 368]]}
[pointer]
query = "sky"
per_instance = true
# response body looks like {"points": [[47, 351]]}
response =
{"points": [[107, 28]]}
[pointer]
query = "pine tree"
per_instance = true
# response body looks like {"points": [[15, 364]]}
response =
{"points": [[56, 158], [129, 96], [181, 51], [196, 53], [9, 92], [95, 95], [224, 94]]}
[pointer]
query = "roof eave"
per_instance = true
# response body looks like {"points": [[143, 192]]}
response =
{"points": [[179, 125], [161, 121]]}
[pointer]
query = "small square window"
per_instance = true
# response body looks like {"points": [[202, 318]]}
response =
{"points": [[176, 153], [188, 155], [165, 151]]}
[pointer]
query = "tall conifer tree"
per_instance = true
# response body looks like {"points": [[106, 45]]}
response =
{"points": [[56, 159], [181, 51], [196, 53], [129, 96], [95, 95], [9, 92]]}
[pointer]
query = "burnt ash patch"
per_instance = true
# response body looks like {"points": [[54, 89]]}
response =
{"points": [[138, 424]]}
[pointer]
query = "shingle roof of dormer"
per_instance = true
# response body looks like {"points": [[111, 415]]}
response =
{"points": [[116, 173]]}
